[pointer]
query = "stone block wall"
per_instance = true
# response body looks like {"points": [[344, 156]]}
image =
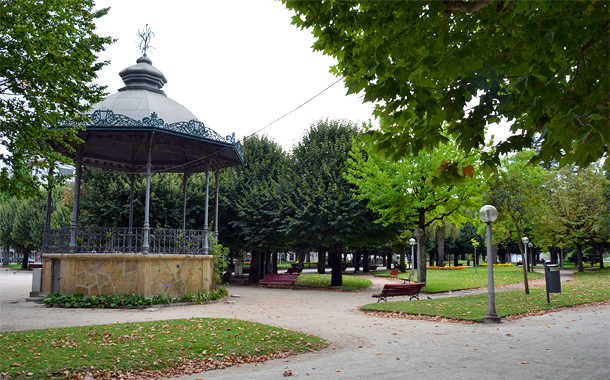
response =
{"points": [[122, 274]]}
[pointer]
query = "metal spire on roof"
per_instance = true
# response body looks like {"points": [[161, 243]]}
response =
{"points": [[146, 34]]}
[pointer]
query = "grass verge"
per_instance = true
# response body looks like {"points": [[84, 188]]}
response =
{"points": [[587, 287], [322, 281], [447, 280], [109, 350]]}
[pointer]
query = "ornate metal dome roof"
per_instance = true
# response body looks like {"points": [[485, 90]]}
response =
{"points": [[141, 115], [142, 95]]}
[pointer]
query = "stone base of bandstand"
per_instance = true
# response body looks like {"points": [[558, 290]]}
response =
{"points": [[123, 274]]}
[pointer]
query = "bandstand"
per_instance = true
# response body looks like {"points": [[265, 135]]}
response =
{"points": [[139, 130]]}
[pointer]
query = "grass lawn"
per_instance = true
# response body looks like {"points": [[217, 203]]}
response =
{"points": [[588, 287], [446, 280], [312, 280], [159, 345]]}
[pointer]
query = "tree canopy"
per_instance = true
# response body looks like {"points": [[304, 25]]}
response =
{"points": [[400, 192], [439, 70], [324, 212], [577, 205], [48, 60]]}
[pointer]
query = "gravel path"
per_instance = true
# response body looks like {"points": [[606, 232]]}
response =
{"points": [[568, 344]]}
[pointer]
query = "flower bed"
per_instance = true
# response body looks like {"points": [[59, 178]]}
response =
{"points": [[445, 268]]}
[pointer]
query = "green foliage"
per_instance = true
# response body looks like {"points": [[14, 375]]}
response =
{"points": [[252, 198], [401, 191], [22, 220], [449, 69], [129, 301], [48, 62], [220, 260], [576, 207], [324, 213], [111, 351]]}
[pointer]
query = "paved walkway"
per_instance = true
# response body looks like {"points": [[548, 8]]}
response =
{"points": [[573, 343]]}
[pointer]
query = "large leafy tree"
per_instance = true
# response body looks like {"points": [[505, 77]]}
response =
{"points": [[252, 202], [324, 212], [48, 60], [448, 69], [515, 191], [22, 222], [401, 192], [577, 206]]}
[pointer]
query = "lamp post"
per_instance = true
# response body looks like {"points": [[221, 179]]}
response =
{"points": [[412, 242], [531, 258], [525, 240], [488, 214]]}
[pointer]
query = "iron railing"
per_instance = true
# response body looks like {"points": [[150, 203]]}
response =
{"points": [[125, 240]]}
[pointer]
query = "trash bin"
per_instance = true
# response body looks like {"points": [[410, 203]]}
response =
{"points": [[553, 283]]}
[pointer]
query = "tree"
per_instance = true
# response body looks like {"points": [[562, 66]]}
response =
{"points": [[400, 192], [324, 212], [48, 60], [22, 222], [442, 230], [515, 191], [253, 200], [440, 70], [576, 205], [7, 216]]}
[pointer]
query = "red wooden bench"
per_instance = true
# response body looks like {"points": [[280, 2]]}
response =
{"points": [[393, 290], [279, 279]]}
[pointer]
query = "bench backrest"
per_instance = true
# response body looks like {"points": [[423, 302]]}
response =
{"points": [[403, 289]]}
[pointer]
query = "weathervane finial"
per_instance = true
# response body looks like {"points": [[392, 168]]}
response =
{"points": [[146, 34]]}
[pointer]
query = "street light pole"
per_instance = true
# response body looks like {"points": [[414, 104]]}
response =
{"points": [[412, 242], [488, 214], [419, 233], [525, 240], [531, 258]]}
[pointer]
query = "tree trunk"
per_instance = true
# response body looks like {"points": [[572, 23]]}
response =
{"points": [[520, 245], [579, 256], [26, 256], [401, 253], [600, 250], [274, 262], [6, 255], [254, 275], [336, 275], [321, 260], [365, 262], [440, 239]]}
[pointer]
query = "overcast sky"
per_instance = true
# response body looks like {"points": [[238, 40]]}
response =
{"points": [[236, 65]]}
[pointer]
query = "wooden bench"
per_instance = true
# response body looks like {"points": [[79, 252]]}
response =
{"points": [[294, 270], [279, 279], [394, 290]]}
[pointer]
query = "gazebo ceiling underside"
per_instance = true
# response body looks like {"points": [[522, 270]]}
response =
{"points": [[127, 150]]}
